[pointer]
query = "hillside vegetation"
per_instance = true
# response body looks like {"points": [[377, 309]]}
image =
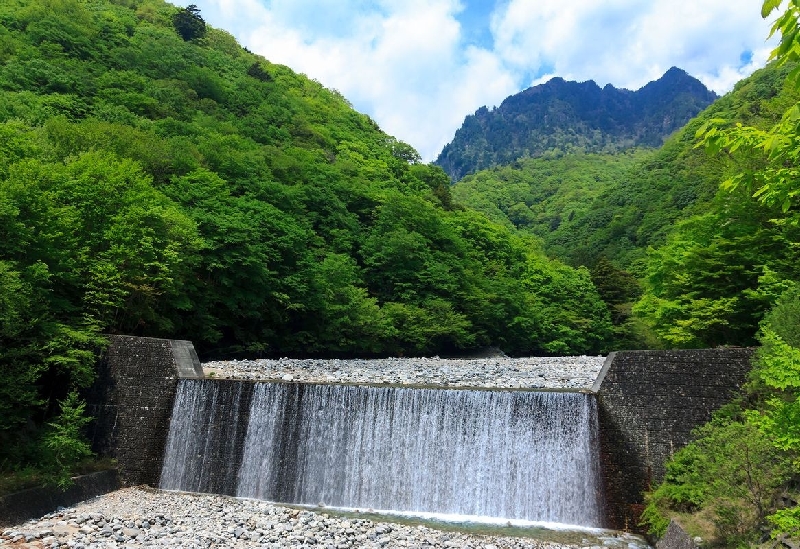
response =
{"points": [[738, 483], [565, 202], [729, 257], [705, 258], [157, 179]]}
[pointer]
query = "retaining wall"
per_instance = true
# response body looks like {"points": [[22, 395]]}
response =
{"points": [[649, 402], [132, 402], [18, 507]]}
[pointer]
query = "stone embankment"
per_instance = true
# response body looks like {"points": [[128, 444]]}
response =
{"points": [[575, 373], [135, 517]]}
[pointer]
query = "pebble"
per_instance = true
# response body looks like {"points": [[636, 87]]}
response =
{"points": [[207, 520], [502, 372]]}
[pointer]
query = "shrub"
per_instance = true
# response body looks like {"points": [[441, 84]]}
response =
{"points": [[63, 442]]}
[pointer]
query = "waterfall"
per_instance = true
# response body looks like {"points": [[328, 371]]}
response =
{"points": [[205, 436], [506, 454]]}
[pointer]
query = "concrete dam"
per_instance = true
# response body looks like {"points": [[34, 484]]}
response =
{"points": [[523, 455], [579, 458]]}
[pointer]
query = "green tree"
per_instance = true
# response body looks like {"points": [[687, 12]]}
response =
{"points": [[63, 442], [776, 379], [774, 180], [189, 23], [732, 471], [712, 282]]}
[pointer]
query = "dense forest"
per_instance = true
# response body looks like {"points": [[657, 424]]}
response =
{"points": [[707, 260], [157, 179], [561, 117]]}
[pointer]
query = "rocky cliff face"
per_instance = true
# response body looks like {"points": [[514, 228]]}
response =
{"points": [[562, 116]]}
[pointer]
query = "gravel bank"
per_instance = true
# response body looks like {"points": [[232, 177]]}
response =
{"points": [[573, 372], [135, 517]]}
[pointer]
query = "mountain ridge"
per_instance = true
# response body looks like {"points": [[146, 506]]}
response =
{"points": [[566, 116]]}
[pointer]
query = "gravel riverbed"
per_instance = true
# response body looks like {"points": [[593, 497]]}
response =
{"points": [[571, 372], [137, 517]]}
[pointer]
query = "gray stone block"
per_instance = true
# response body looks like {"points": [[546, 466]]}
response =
{"points": [[676, 538]]}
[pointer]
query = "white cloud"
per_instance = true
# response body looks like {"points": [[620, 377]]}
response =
{"points": [[398, 61], [405, 62], [631, 42]]}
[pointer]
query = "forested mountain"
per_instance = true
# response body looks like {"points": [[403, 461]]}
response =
{"points": [[605, 211], [586, 206], [158, 179], [567, 117]]}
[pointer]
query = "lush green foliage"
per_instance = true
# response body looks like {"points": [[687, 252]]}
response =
{"points": [[773, 182], [767, 467], [718, 273], [189, 23], [157, 179], [732, 472], [721, 269], [742, 465], [62, 443], [776, 379], [560, 117], [564, 201], [560, 201], [717, 263]]}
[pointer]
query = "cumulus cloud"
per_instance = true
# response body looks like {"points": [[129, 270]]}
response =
{"points": [[412, 66], [401, 62], [631, 42]]}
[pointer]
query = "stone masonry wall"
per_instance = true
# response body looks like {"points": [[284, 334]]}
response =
{"points": [[649, 402], [132, 402]]}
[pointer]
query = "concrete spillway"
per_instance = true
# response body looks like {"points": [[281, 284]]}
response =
{"points": [[506, 454]]}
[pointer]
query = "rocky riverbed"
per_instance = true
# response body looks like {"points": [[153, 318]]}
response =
{"points": [[572, 372], [137, 517]]}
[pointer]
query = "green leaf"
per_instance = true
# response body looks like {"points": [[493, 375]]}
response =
{"points": [[769, 6]]}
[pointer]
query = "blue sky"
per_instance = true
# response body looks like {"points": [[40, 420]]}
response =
{"points": [[418, 67]]}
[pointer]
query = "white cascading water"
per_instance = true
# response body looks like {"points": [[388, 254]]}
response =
{"points": [[505, 454], [202, 440]]}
